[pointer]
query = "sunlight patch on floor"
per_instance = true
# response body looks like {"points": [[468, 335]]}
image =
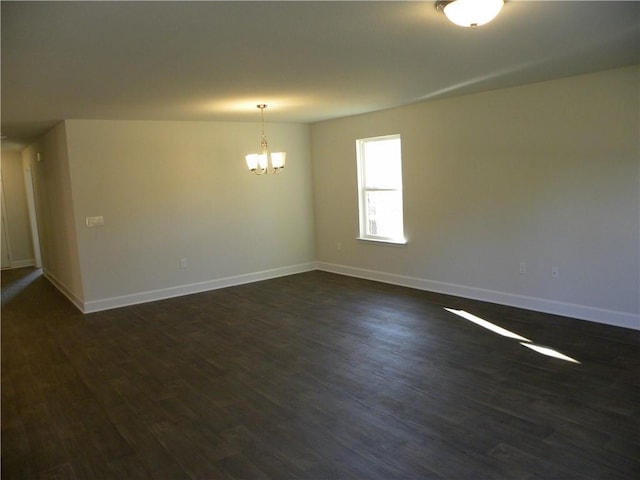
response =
{"points": [[548, 351], [488, 325]]}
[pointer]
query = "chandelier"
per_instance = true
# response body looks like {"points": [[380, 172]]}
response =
{"points": [[470, 13], [265, 162]]}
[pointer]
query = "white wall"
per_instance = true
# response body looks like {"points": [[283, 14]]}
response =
{"points": [[173, 190], [546, 174], [18, 230]]}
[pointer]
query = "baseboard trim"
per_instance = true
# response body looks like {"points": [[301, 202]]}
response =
{"points": [[29, 262], [77, 302], [581, 312], [180, 290]]}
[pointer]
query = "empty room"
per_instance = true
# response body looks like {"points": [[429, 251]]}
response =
{"points": [[320, 239]]}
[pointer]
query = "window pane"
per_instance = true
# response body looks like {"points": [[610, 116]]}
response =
{"points": [[382, 167], [380, 188], [384, 214]]}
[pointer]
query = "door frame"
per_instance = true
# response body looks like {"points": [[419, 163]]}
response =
{"points": [[4, 226], [33, 216]]}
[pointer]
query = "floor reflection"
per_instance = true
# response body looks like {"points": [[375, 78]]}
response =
{"points": [[18, 283]]}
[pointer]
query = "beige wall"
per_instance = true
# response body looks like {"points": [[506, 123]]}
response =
{"points": [[173, 190], [54, 204], [546, 174], [15, 197]]}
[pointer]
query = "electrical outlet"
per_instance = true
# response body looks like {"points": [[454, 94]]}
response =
{"points": [[339, 246], [555, 272], [183, 263], [522, 268], [94, 221]]}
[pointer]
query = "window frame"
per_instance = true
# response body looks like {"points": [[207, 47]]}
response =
{"points": [[363, 218]]}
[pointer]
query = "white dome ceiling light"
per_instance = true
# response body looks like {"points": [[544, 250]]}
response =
{"points": [[470, 13]]}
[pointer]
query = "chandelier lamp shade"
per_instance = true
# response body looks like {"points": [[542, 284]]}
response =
{"points": [[265, 162], [470, 13]]}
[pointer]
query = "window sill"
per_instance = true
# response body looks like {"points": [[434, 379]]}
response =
{"points": [[382, 241]]}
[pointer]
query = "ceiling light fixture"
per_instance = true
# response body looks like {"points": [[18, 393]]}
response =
{"points": [[470, 13], [265, 162]]}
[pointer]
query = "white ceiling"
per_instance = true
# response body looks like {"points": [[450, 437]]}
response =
{"points": [[309, 61]]}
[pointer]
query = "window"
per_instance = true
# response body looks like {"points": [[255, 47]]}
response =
{"points": [[380, 189]]}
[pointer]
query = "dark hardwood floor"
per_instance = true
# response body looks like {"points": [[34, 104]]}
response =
{"points": [[312, 376]]}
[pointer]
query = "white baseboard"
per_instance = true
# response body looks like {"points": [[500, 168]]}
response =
{"points": [[63, 289], [28, 262], [581, 312], [180, 290]]}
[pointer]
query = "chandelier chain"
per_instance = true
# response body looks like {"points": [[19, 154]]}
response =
{"points": [[263, 141]]}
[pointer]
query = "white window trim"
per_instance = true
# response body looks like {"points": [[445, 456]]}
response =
{"points": [[383, 241], [363, 236]]}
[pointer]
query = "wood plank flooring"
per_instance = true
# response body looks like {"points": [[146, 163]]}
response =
{"points": [[311, 376]]}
